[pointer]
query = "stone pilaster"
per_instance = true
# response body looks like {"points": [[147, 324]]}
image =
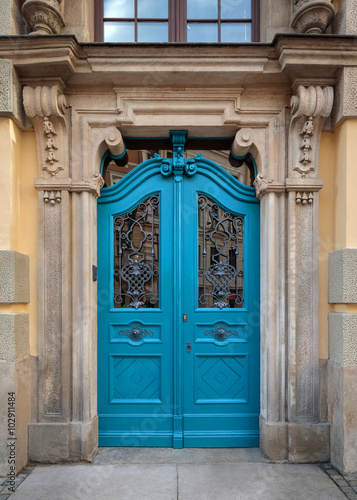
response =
{"points": [[310, 108], [51, 436]]}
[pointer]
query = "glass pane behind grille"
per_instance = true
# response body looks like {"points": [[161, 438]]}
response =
{"points": [[220, 254], [136, 256]]}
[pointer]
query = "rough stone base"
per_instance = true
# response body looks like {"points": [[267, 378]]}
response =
{"points": [[60, 442], [295, 443], [15, 377], [342, 414]]}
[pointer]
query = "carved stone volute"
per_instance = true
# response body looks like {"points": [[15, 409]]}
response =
{"points": [[312, 16], [310, 108], [45, 17], [46, 108]]}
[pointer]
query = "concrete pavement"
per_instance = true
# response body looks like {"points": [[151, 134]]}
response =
{"points": [[167, 474]]}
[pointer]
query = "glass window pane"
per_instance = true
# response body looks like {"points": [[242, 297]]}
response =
{"points": [[220, 256], [153, 32], [236, 32], [119, 32], [236, 9], [136, 256], [202, 9], [119, 8], [153, 9], [202, 32]]}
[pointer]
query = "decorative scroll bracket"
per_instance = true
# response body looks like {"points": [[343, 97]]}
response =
{"points": [[310, 108], [46, 108]]}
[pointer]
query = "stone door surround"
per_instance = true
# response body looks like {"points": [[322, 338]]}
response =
{"points": [[74, 127]]}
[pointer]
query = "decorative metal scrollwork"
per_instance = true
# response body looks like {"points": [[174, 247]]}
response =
{"points": [[136, 333], [221, 332], [136, 256], [220, 255]]}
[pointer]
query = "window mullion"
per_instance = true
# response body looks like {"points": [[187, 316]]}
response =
{"points": [[219, 21], [136, 19]]}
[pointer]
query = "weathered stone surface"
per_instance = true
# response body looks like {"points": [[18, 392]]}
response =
{"points": [[296, 443], [6, 89], [15, 336], [309, 442], [7, 377], [14, 277], [83, 439], [5, 17], [56, 442], [345, 22], [324, 389], [343, 338], [336, 419], [274, 440], [346, 96], [342, 414], [48, 442], [342, 276], [23, 410]]}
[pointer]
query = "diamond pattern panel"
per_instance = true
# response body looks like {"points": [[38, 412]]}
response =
{"points": [[221, 378], [135, 379]]}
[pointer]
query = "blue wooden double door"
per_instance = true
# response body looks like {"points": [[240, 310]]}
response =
{"points": [[178, 308]]}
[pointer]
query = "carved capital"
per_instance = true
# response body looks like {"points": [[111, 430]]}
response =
{"points": [[312, 16], [46, 107], [310, 108], [265, 185], [94, 183], [45, 17], [53, 187]]}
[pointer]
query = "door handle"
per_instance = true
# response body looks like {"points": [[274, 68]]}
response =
{"points": [[188, 347]]}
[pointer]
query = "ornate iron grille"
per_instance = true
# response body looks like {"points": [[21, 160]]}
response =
{"points": [[220, 249], [136, 256]]}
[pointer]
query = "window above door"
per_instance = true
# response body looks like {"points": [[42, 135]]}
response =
{"points": [[211, 21]]}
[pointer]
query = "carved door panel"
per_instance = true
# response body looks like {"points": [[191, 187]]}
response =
{"points": [[178, 308]]}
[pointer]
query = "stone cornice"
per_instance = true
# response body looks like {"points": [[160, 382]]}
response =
{"points": [[288, 56]]}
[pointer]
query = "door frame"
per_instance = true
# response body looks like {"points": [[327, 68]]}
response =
{"points": [[179, 168]]}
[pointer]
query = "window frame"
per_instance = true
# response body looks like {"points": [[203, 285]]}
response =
{"points": [[177, 21]]}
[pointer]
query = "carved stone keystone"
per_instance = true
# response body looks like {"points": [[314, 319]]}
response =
{"points": [[45, 17], [312, 16]]}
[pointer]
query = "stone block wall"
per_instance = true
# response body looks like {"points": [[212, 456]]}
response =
{"points": [[15, 361], [343, 360]]}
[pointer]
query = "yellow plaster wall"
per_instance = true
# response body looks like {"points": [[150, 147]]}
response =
{"points": [[18, 209], [338, 211], [327, 164]]}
